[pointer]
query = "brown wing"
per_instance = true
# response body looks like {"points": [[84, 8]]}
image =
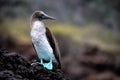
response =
{"points": [[54, 45], [34, 48]]}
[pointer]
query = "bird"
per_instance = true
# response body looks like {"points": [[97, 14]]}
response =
{"points": [[44, 41]]}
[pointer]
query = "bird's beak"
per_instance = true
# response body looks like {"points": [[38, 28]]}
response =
{"points": [[48, 17]]}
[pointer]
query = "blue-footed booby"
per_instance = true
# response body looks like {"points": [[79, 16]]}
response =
{"points": [[43, 41]]}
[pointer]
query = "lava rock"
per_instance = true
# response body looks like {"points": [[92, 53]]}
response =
{"points": [[15, 67]]}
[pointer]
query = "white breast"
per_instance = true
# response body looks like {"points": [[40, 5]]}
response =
{"points": [[40, 41]]}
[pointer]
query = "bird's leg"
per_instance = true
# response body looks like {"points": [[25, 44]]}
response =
{"points": [[41, 61]]}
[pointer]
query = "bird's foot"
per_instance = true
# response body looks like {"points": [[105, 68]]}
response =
{"points": [[48, 65], [35, 63]]}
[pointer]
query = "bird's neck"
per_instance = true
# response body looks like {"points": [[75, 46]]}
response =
{"points": [[38, 26]]}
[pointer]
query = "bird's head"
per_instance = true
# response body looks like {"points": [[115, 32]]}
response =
{"points": [[40, 15]]}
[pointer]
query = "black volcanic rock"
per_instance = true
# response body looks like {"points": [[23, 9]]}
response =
{"points": [[14, 67]]}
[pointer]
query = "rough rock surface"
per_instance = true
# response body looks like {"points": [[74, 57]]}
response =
{"points": [[15, 67]]}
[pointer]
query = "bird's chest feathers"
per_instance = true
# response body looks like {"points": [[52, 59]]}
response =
{"points": [[40, 41], [38, 30]]}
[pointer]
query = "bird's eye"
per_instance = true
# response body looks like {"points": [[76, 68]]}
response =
{"points": [[41, 16]]}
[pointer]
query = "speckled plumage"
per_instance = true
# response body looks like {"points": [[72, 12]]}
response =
{"points": [[40, 41]]}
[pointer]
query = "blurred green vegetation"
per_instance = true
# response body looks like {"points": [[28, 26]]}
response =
{"points": [[17, 28], [90, 34], [79, 12]]}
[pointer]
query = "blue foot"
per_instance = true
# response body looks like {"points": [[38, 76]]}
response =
{"points": [[49, 65], [35, 63]]}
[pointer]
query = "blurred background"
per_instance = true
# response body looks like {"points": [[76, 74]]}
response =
{"points": [[87, 32]]}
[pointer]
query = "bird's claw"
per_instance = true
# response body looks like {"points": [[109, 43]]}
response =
{"points": [[35, 63]]}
